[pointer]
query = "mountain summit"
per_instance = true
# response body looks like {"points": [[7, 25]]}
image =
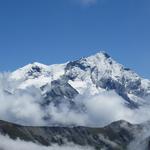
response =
{"points": [[95, 74]]}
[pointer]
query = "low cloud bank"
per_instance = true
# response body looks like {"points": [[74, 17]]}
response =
{"points": [[21, 107], [142, 138], [8, 144], [97, 110]]}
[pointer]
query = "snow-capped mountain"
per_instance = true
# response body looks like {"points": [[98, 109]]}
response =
{"points": [[91, 91], [94, 74]]}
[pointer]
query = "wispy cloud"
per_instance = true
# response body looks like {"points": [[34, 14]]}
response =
{"points": [[86, 2], [8, 143]]}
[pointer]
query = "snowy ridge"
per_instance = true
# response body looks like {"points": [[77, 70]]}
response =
{"points": [[37, 74], [95, 74]]}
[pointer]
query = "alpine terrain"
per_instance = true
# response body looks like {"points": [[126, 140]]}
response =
{"points": [[76, 102], [95, 74]]}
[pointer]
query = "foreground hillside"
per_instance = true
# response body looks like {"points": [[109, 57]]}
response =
{"points": [[116, 136]]}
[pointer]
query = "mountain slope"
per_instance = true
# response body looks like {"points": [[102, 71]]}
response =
{"points": [[95, 73], [115, 136], [65, 89]]}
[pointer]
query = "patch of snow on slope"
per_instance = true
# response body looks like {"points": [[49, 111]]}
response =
{"points": [[37, 75]]}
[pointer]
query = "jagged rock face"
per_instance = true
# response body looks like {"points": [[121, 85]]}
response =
{"points": [[115, 136], [59, 91], [94, 74]]}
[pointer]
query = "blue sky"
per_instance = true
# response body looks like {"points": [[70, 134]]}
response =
{"points": [[55, 31]]}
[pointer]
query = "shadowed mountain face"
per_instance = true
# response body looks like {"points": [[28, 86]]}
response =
{"points": [[115, 136]]}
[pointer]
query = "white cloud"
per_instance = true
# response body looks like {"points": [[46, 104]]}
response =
{"points": [[85, 2], [142, 138], [88, 2], [20, 107], [6, 144], [99, 109]]}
